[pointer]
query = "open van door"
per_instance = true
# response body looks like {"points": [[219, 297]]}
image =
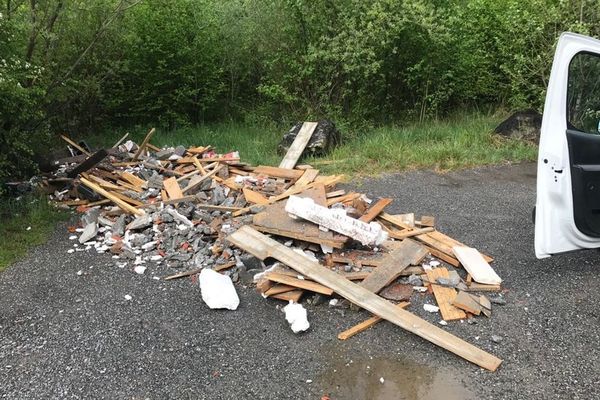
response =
{"points": [[567, 215]]}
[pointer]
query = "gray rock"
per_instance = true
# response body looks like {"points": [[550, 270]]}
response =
{"points": [[140, 222], [524, 124], [348, 268], [496, 338], [218, 195], [90, 231], [497, 300], [255, 209], [91, 216], [179, 150], [415, 280], [251, 262]]}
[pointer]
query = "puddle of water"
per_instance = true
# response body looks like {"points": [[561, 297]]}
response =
{"points": [[402, 380]]}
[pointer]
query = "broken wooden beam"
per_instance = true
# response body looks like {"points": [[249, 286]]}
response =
{"points": [[144, 143], [88, 163], [123, 205]]}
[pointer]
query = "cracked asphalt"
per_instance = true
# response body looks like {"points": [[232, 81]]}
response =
{"points": [[68, 332]]}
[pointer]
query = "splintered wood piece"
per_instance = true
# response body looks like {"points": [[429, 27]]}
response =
{"points": [[127, 199], [409, 252], [307, 177], [183, 274], [342, 199], [480, 287], [366, 324], [279, 288], [254, 197], [336, 193], [123, 205], [293, 295], [275, 172], [78, 147], [477, 267], [120, 140], [444, 295], [134, 180], [224, 266], [443, 256], [144, 143], [375, 210], [299, 283], [467, 302], [262, 247], [172, 188], [298, 146]]}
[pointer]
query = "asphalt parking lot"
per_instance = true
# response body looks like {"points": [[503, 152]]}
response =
{"points": [[67, 331]]}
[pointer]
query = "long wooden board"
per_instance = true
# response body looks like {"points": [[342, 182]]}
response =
{"points": [[366, 324], [263, 247], [123, 205], [144, 143], [444, 295], [275, 172], [408, 252], [298, 146]]}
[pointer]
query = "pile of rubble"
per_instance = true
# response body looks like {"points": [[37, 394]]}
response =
{"points": [[195, 211]]}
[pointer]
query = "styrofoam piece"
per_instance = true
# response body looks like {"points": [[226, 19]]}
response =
{"points": [[218, 290]]}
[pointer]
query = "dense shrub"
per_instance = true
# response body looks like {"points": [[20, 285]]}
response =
{"points": [[85, 65]]}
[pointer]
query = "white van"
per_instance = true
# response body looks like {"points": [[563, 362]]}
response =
{"points": [[567, 213]]}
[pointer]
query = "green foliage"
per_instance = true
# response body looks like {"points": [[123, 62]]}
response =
{"points": [[83, 66]]}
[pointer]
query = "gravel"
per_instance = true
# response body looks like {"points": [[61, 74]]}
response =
{"points": [[79, 326]]}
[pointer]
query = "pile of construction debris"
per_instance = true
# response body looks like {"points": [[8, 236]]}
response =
{"points": [[195, 211]]}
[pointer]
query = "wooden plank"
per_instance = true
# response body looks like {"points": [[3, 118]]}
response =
{"points": [[298, 146], [307, 178], [127, 199], [225, 266], [336, 193], [172, 188], [279, 288], [78, 147], [263, 247], [395, 220], [443, 256], [342, 199], [275, 172], [366, 324], [476, 265], [444, 295], [132, 179], [103, 183], [121, 140], [409, 252], [196, 182], [298, 283], [427, 220], [375, 209], [183, 274], [123, 205], [479, 287], [467, 302], [88, 163], [406, 233], [450, 242], [144, 143], [293, 295], [254, 197]]}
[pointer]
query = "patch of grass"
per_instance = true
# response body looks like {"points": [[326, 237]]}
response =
{"points": [[465, 140], [15, 217]]}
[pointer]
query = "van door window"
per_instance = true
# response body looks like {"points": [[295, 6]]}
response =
{"points": [[583, 93]]}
